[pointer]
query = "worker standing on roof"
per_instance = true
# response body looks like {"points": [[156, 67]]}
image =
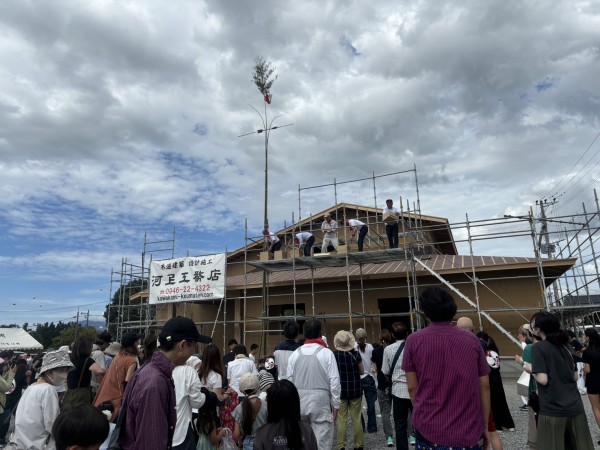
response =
{"points": [[391, 229], [330, 233]]}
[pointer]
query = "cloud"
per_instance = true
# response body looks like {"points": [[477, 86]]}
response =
{"points": [[121, 118]]}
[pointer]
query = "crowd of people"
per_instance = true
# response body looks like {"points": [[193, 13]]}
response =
{"points": [[439, 387]]}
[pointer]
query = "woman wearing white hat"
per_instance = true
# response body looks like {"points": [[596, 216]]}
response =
{"points": [[39, 405]]}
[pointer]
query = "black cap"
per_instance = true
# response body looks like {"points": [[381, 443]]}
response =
{"points": [[182, 329], [129, 339]]}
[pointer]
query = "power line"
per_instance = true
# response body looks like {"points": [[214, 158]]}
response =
{"points": [[569, 171]]}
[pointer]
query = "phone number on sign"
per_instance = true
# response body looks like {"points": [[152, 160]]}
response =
{"points": [[186, 289]]}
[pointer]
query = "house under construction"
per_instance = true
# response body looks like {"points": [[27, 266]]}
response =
{"points": [[374, 288]]}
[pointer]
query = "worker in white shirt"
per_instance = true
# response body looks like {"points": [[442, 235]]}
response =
{"points": [[273, 242], [356, 226], [330, 233], [391, 229], [305, 241]]}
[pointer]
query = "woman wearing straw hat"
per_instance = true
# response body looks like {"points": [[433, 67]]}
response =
{"points": [[39, 404], [350, 366]]}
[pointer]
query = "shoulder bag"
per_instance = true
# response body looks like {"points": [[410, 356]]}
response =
{"points": [[79, 395], [388, 377]]}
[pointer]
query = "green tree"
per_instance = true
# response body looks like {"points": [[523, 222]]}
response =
{"points": [[120, 306], [68, 335], [261, 75], [47, 332]]}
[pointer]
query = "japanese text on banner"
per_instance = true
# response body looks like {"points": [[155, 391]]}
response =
{"points": [[187, 279]]}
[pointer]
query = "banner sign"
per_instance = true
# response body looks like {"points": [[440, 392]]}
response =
{"points": [[187, 279]]}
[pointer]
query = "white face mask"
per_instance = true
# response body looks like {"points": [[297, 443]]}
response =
{"points": [[57, 378]]}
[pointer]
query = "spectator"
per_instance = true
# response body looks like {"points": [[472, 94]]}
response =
{"points": [[7, 374], [150, 398], [188, 393], [447, 377], [79, 390], [392, 368], [367, 380], [284, 349], [561, 421], [231, 355], [350, 367], [240, 366], [99, 357], [384, 394], [211, 371], [209, 436], [39, 406], [253, 353], [121, 370], [591, 360], [150, 345], [500, 411], [80, 426], [265, 380], [533, 399], [284, 429], [251, 414], [313, 370], [577, 349]]}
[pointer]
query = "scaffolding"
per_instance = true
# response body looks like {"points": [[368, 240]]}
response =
{"points": [[568, 286], [133, 314]]}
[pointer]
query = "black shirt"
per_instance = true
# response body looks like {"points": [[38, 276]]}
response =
{"points": [[73, 376]]}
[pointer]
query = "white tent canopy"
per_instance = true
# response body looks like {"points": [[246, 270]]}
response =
{"points": [[17, 339]]}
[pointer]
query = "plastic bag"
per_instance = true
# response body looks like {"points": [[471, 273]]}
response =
{"points": [[227, 442]]}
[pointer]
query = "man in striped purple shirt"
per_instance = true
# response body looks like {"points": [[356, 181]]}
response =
{"points": [[447, 376]]}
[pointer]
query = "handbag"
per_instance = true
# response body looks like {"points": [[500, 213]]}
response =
{"points": [[523, 384]]}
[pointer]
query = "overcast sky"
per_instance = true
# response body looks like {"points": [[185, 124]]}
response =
{"points": [[121, 117]]}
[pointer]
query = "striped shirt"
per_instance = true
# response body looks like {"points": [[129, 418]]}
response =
{"points": [[399, 386], [448, 363]]}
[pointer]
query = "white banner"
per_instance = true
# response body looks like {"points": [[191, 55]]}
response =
{"points": [[187, 279]]}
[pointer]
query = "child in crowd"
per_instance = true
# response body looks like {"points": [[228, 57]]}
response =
{"points": [[209, 436], [80, 426], [251, 414]]}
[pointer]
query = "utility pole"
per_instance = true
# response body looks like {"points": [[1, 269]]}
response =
{"points": [[87, 318], [543, 203], [77, 324]]}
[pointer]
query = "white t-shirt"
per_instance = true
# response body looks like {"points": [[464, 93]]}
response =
{"points": [[366, 359], [38, 409], [100, 358], [213, 381], [303, 237], [237, 368], [355, 224], [187, 396]]}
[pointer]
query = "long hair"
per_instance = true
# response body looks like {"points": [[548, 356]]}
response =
{"points": [[82, 348], [248, 416], [283, 405], [211, 360], [491, 344], [594, 341], [205, 423], [550, 326]]}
